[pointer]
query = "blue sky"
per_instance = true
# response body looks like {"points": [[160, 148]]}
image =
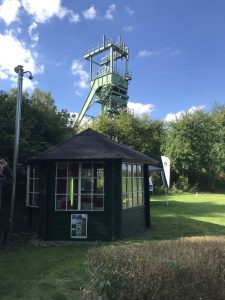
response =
{"points": [[177, 49]]}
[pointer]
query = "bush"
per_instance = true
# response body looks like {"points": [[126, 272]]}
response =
{"points": [[181, 185], [188, 268]]}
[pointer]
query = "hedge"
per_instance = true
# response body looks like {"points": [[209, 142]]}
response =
{"points": [[188, 268]]}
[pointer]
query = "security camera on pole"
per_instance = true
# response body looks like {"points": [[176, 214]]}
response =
{"points": [[19, 70]]}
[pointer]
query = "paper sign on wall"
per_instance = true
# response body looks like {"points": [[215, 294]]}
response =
{"points": [[79, 226]]}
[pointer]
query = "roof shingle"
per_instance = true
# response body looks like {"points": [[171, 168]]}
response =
{"points": [[91, 145]]}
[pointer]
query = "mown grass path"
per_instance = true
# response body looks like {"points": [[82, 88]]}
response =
{"points": [[59, 272]]}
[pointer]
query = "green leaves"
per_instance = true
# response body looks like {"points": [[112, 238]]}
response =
{"points": [[140, 133], [195, 144], [42, 126]]}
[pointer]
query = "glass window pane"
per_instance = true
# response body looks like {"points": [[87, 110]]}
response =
{"points": [[124, 199], [98, 170], [35, 185], [129, 200], [134, 170], [61, 186], [98, 202], [34, 171], [135, 184], [73, 170], [86, 170], [129, 185], [124, 185], [61, 202], [85, 202], [129, 171], [135, 199], [62, 170], [139, 170], [31, 186], [140, 184], [35, 199], [72, 185], [98, 186], [72, 202], [86, 186], [124, 170]]}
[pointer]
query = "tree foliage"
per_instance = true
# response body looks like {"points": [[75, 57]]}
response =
{"points": [[195, 144], [42, 125], [140, 133]]}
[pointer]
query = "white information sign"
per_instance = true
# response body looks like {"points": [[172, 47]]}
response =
{"points": [[79, 226]]}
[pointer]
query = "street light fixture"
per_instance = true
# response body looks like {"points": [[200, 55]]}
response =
{"points": [[19, 70]]}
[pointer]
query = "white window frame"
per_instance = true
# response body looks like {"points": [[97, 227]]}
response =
{"points": [[28, 191], [133, 178], [79, 187]]}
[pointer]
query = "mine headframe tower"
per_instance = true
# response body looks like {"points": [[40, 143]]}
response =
{"points": [[109, 77]]}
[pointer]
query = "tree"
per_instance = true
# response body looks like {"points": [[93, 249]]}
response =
{"points": [[140, 133], [191, 143], [42, 125]]}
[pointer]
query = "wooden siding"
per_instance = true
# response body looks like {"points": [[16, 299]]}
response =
{"points": [[133, 220]]}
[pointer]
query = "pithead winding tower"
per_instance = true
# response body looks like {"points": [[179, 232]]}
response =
{"points": [[109, 77]]}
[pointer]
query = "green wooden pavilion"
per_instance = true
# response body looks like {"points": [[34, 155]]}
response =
{"points": [[88, 188]]}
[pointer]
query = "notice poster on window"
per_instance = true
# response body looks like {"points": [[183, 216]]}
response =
{"points": [[79, 226]]}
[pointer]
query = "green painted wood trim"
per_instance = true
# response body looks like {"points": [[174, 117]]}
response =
{"points": [[117, 196], [147, 197]]}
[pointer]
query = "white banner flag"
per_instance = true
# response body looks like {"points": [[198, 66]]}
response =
{"points": [[166, 168]]}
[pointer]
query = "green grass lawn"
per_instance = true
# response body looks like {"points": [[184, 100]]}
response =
{"points": [[43, 272], [187, 215], [29, 272]]}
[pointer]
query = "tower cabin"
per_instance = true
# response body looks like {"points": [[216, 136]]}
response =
{"points": [[109, 76], [88, 188]]}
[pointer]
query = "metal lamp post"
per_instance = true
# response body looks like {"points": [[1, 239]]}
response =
{"points": [[19, 70]]}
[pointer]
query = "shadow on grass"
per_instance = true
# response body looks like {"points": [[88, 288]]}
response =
{"points": [[169, 228], [178, 219]]}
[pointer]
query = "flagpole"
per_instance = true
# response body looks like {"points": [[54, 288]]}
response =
{"points": [[20, 71], [166, 169]]}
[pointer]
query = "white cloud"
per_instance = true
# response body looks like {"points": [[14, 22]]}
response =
{"points": [[194, 108], [3, 75], [64, 11], [129, 10], [43, 10], [31, 30], [140, 108], [169, 52], [128, 28], [147, 53], [82, 76], [90, 13], [9, 45], [173, 52], [72, 119], [40, 10], [73, 18], [109, 12], [9, 10], [172, 117]]}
